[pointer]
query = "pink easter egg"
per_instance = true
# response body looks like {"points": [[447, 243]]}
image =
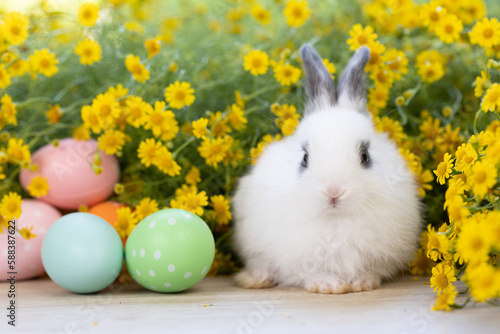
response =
{"points": [[28, 261], [72, 181]]}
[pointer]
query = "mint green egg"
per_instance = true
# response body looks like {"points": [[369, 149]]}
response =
{"points": [[170, 250]]}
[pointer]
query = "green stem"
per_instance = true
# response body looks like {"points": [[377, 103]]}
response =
{"points": [[463, 305], [478, 112], [34, 100], [415, 91], [260, 91], [183, 146]]}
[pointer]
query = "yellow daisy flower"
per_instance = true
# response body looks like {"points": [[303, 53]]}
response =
{"points": [[445, 300], [484, 282], [286, 74], [91, 119], [147, 151], [448, 29], [482, 83], [491, 100], [125, 222], [152, 46], [89, 51], [485, 33], [4, 77], [165, 162], [200, 128], [192, 201], [465, 157], [256, 62], [81, 133], [54, 114], [88, 13], [442, 278], [262, 15], [330, 67], [431, 14], [376, 60], [18, 67], [38, 186], [145, 207], [107, 108], [44, 62], [10, 207], [482, 178], [137, 109], [17, 151], [219, 125], [214, 150], [236, 117], [475, 240], [111, 141], [390, 126], [138, 70], [444, 169], [296, 13], [378, 97], [15, 27], [26, 233], [155, 118], [8, 109], [179, 94], [361, 36], [437, 244], [193, 176], [222, 211]]}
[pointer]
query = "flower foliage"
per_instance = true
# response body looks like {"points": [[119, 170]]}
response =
{"points": [[187, 95]]}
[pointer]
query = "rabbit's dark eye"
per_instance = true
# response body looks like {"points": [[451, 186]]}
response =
{"points": [[305, 161], [364, 155]]}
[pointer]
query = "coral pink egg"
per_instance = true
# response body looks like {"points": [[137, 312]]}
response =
{"points": [[27, 261], [72, 181]]}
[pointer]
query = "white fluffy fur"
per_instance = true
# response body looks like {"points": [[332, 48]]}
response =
{"points": [[287, 233]]}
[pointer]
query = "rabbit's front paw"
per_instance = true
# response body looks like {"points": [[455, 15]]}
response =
{"points": [[326, 284], [364, 284], [255, 280]]}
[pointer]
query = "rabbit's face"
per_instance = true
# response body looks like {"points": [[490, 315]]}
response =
{"points": [[335, 158]]}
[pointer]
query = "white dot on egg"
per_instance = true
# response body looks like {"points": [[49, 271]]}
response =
{"points": [[172, 220], [142, 252], [171, 268], [138, 272], [152, 224], [42, 230], [188, 216], [133, 253], [37, 214], [4, 253], [153, 287], [27, 247], [167, 285], [152, 273], [204, 271], [187, 275], [157, 255]]}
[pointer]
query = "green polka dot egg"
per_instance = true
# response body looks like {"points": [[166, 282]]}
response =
{"points": [[169, 251]]}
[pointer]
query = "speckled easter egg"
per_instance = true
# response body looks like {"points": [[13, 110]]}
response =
{"points": [[28, 261], [72, 181], [170, 250]]}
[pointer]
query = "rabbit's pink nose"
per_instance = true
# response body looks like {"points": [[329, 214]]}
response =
{"points": [[334, 194]]}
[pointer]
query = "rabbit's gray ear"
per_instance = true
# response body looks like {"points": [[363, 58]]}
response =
{"points": [[320, 89], [351, 90]]}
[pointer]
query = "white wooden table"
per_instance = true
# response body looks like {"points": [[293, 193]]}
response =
{"points": [[216, 305]]}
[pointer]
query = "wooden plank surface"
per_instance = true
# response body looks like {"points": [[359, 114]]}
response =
{"points": [[216, 305]]}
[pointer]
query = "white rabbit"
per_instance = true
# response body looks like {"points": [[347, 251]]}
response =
{"points": [[332, 208]]}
